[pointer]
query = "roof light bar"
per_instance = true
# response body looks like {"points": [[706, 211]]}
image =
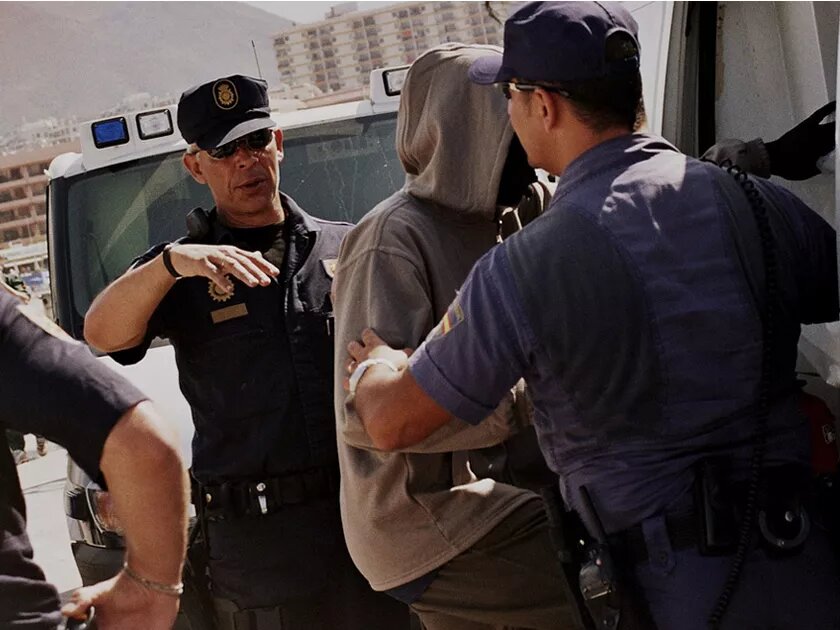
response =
{"points": [[109, 133], [155, 124]]}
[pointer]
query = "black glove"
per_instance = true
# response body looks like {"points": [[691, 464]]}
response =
{"points": [[794, 156]]}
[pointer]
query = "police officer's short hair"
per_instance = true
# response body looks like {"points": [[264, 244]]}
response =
{"points": [[614, 100]]}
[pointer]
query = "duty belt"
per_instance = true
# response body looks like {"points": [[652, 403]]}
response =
{"points": [[232, 499], [682, 534], [782, 524]]}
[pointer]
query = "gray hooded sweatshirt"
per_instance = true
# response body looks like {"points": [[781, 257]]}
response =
{"points": [[409, 512]]}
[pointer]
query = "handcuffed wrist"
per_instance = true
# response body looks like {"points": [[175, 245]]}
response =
{"points": [[173, 590], [360, 370], [167, 262]]}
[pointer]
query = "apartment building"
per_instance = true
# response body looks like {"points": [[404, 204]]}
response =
{"points": [[23, 183], [39, 133], [338, 53]]}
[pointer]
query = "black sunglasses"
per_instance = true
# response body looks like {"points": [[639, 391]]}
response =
{"points": [[508, 87], [254, 141]]}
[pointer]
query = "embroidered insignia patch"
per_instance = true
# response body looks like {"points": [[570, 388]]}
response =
{"points": [[224, 93], [217, 294], [45, 324], [454, 315], [329, 266]]}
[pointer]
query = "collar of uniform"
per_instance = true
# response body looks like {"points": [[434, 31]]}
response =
{"points": [[617, 153], [299, 222]]}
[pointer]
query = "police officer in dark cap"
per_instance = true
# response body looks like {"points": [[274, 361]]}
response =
{"points": [[654, 310], [244, 298]]}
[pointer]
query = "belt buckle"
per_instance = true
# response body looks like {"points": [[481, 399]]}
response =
{"points": [[261, 500]]}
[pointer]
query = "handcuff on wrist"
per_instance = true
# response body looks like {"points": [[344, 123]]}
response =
{"points": [[173, 590], [360, 370]]}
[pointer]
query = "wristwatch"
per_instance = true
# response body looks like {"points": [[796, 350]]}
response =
{"points": [[360, 370]]}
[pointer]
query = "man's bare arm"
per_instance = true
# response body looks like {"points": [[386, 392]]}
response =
{"points": [[119, 316], [148, 484], [395, 411]]}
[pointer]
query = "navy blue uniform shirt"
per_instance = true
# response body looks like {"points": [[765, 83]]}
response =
{"points": [[56, 388], [631, 309], [256, 368]]}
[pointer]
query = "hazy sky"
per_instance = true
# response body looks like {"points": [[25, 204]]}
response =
{"points": [[311, 11]]}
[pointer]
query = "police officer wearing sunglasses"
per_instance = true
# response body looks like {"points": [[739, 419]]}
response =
{"points": [[245, 300]]}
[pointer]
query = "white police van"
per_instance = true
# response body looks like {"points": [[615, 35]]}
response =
{"points": [[127, 190], [711, 71]]}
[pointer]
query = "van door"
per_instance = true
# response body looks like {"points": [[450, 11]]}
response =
{"points": [[755, 69]]}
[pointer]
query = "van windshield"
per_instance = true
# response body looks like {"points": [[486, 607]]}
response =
{"points": [[333, 170]]}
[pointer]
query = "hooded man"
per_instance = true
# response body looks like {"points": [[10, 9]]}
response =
{"points": [[464, 553]]}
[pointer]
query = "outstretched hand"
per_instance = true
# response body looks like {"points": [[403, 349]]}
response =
{"points": [[217, 261], [123, 604], [794, 156]]}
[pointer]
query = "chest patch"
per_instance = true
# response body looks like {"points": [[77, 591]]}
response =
{"points": [[229, 312], [329, 266]]}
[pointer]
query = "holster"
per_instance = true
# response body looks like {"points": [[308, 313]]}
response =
{"points": [[197, 599], [607, 598], [231, 617], [786, 499]]}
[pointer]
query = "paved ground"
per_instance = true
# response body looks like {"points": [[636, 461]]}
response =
{"points": [[42, 480]]}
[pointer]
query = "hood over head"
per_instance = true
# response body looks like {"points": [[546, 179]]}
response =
{"points": [[453, 136]]}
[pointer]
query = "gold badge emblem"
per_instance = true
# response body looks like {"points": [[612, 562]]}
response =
{"points": [[224, 93], [217, 294]]}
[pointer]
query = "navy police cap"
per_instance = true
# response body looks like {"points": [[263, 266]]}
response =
{"points": [[213, 113], [558, 42]]}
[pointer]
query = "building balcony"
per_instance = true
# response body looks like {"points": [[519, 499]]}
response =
{"points": [[23, 224], [40, 178], [14, 204]]}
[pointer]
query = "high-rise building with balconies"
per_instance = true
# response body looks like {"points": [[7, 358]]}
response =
{"points": [[338, 53], [23, 183]]}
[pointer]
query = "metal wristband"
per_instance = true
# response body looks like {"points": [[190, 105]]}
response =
{"points": [[360, 370], [167, 262], [173, 590]]}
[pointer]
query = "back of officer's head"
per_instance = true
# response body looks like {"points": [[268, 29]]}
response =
{"points": [[590, 50]]}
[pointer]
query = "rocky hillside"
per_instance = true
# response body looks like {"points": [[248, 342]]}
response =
{"points": [[81, 58]]}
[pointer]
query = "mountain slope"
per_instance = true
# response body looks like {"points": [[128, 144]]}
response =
{"points": [[81, 58]]}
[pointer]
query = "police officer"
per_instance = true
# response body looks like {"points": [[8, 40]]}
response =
{"points": [[654, 310], [245, 301], [56, 387]]}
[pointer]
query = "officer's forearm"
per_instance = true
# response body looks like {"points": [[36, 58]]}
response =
{"points": [[396, 413], [148, 483], [118, 317]]}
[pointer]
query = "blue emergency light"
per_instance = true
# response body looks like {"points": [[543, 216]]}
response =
{"points": [[109, 133]]}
